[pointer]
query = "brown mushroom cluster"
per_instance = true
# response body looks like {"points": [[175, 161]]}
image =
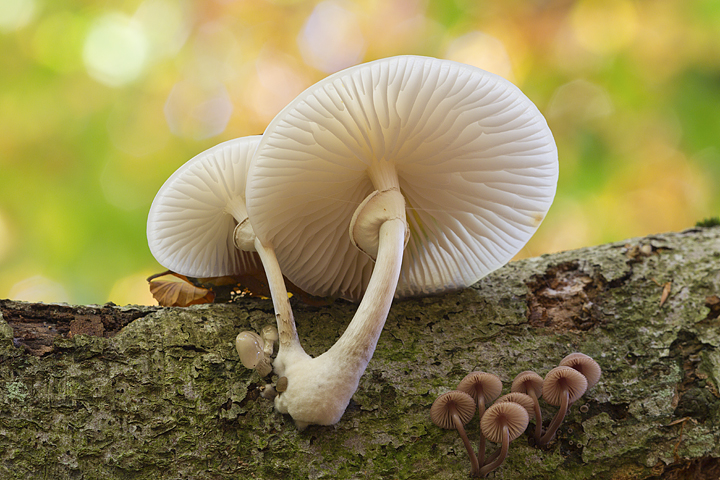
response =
{"points": [[507, 418]]}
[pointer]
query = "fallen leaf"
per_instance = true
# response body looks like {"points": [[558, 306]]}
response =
{"points": [[221, 289], [174, 293]]}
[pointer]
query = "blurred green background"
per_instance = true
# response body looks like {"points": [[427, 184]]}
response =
{"points": [[101, 101]]}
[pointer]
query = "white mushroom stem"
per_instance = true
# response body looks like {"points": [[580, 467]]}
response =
{"points": [[319, 389], [289, 349]]}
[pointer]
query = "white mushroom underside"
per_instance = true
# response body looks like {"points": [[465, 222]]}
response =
{"points": [[191, 223], [475, 159]]}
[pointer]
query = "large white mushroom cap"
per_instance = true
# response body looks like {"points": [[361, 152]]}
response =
{"points": [[475, 159], [194, 214]]}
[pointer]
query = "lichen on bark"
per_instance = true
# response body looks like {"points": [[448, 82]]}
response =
{"points": [[143, 392]]}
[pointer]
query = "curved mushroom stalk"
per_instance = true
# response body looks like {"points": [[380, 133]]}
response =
{"points": [[562, 387], [530, 383], [484, 388], [453, 410], [290, 350], [319, 389], [502, 423]]}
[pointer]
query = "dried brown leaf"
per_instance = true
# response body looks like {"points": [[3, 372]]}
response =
{"points": [[169, 293]]}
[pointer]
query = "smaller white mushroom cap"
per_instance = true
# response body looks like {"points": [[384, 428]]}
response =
{"points": [[249, 346], [270, 335], [192, 220]]}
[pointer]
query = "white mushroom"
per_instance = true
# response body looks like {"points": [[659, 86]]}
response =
{"points": [[452, 158], [198, 224], [194, 215], [269, 334], [250, 348]]}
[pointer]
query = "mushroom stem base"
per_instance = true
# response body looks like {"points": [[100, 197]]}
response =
{"points": [[319, 389]]}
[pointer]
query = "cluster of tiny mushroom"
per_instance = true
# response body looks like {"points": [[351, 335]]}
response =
{"points": [[509, 416], [400, 177]]}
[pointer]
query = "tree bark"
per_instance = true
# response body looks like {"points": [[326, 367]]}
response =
{"points": [[104, 392]]}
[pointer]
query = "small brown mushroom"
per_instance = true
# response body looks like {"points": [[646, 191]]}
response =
{"points": [[530, 383], [561, 387], [453, 410], [484, 388], [502, 423], [521, 399], [585, 365]]}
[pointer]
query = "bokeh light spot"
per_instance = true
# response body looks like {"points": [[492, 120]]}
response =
{"points": [[197, 111], [580, 101], [483, 51], [116, 50], [604, 26], [276, 84], [132, 290], [165, 25], [58, 42], [331, 38], [38, 289], [15, 14]]}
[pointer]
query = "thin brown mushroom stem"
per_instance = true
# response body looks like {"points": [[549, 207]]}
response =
{"points": [[557, 420], [530, 383], [493, 456], [499, 456], [474, 465], [481, 412], [484, 388], [503, 422], [538, 415], [454, 409]]}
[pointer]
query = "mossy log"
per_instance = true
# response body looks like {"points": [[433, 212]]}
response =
{"points": [[107, 392]]}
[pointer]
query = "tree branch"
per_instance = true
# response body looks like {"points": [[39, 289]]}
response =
{"points": [[98, 392]]}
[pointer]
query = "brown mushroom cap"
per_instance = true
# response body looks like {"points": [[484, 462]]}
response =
{"points": [[480, 382], [560, 379], [585, 365], [504, 414], [442, 408], [526, 381], [521, 399]]}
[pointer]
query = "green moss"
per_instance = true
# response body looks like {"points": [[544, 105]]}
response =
{"points": [[166, 397]]}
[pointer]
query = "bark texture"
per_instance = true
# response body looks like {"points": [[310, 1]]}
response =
{"points": [[105, 392]]}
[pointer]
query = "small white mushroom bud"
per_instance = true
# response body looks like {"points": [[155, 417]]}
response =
{"points": [[269, 334], [249, 346]]}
